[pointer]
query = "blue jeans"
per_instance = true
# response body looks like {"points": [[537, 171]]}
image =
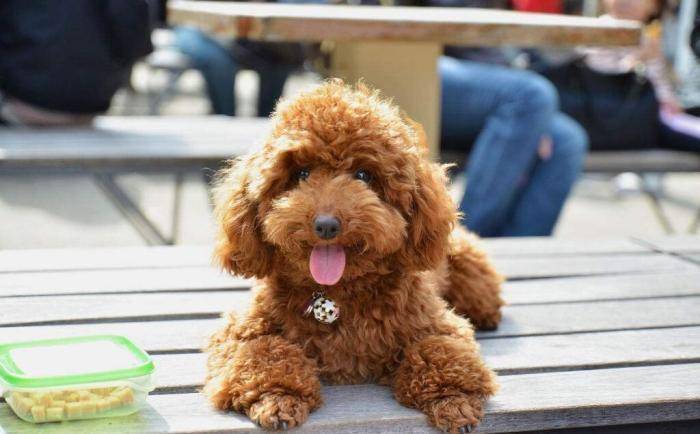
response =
{"points": [[505, 113], [219, 69]]}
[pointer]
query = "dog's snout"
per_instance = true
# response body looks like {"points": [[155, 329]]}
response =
{"points": [[326, 227]]}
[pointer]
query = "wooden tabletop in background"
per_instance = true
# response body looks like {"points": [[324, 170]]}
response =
{"points": [[596, 333], [457, 26]]}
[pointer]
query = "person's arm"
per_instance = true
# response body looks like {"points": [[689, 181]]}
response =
{"points": [[657, 69], [695, 34], [129, 25]]}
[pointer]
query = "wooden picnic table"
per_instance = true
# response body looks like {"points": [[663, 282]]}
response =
{"points": [[396, 49], [115, 145], [596, 333], [132, 143]]}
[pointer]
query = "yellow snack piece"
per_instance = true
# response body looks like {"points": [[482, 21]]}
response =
{"points": [[27, 404], [125, 395], [103, 405], [58, 395], [104, 391], [39, 413], [43, 399], [114, 402], [73, 410], [21, 403], [54, 413], [88, 408]]}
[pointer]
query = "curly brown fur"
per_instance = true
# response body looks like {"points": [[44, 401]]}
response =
{"points": [[472, 284], [395, 230]]}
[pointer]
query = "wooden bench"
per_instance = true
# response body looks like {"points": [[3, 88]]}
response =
{"points": [[646, 163], [641, 162], [117, 145], [596, 334]]}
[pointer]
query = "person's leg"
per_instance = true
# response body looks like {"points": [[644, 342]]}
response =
{"points": [[464, 106], [541, 201], [511, 110], [272, 81], [216, 65], [670, 138]]}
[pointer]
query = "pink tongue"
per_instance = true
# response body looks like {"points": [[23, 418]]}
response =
{"points": [[327, 264]]}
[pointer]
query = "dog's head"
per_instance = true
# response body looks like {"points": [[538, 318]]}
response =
{"points": [[343, 187]]}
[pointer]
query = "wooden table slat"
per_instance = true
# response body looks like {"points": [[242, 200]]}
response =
{"points": [[154, 336], [532, 268], [212, 138], [184, 279], [530, 402], [119, 258], [98, 308], [674, 243], [548, 246], [526, 320], [592, 288], [518, 320]]}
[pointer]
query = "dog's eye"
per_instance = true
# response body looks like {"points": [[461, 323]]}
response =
{"points": [[303, 174], [363, 175]]}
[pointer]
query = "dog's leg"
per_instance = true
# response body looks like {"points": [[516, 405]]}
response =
{"points": [[444, 377], [267, 377], [470, 283]]}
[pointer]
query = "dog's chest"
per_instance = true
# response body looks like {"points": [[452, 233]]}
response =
{"points": [[364, 344]]}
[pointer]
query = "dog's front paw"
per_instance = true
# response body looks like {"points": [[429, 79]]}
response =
{"points": [[279, 411], [456, 414]]}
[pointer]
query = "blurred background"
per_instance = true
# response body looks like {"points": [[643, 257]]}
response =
{"points": [[45, 208]]}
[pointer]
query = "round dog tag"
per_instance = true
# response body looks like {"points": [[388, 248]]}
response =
{"points": [[325, 310]]}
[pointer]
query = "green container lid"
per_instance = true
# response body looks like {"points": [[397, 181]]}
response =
{"points": [[72, 361]]}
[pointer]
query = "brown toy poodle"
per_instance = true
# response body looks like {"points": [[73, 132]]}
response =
{"points": [[349, 227]]}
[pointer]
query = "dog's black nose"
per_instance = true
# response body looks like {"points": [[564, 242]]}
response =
{"points": [[326, 226]]}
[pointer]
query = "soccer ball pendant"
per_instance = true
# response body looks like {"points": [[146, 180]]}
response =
{"points": [[325, 310]]}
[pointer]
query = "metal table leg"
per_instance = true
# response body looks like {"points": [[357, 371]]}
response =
{"points": [[131, 211]]}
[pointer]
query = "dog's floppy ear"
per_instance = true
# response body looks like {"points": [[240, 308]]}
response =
{"points": [[420, 136], [239, 246], [433, 213]]}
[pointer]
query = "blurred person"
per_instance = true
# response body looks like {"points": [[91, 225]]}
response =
{"points": [[219, 59], [525, 155], [625, 97], [543, 6], [62, 61], [694, 39]]}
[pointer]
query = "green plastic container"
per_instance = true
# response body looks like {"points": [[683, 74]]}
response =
{"points": [[75, 378]]}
